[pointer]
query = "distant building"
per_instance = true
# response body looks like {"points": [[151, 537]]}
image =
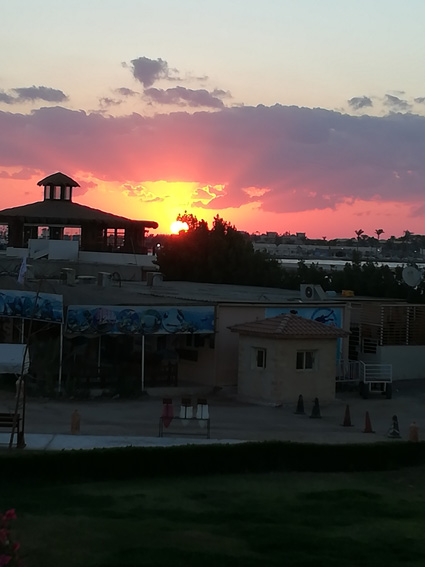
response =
{"points": [[100, 231]]}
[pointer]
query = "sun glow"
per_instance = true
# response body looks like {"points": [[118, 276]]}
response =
{"points": [[179, 226]]}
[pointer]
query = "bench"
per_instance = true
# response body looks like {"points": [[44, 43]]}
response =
{"points": [[198, 422], [7, 420]]}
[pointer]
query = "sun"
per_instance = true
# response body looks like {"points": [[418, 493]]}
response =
{"points": [[179, 226]]}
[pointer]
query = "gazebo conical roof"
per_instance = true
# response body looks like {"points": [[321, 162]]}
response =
{"points": [[58, 178]]}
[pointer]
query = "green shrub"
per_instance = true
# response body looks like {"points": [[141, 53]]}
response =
{"points": [[270, 456]]}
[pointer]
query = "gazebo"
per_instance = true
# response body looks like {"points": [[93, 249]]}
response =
{"points": [[99, 230]]}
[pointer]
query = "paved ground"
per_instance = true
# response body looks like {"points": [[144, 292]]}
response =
{"points": [[135, 422]]}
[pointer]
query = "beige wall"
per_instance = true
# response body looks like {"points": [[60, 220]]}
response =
{"points": [[280, 381], [226, 342]]}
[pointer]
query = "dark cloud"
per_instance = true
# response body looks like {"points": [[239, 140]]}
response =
{"points": [[182, 96], [284, 158], [24, 173], [84, 187], [124, 91], [7, 98], [39, 93], [396, 103], [359, 102], [148, 71], [221, 93], [141, 193], [106, 102], [420, 100]]}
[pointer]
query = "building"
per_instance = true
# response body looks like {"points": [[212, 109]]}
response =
{"points": [[284, 356], [105, 321], [98, 231]]}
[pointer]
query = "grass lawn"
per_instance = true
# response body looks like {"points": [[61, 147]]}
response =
{"points": [[285, 519]]}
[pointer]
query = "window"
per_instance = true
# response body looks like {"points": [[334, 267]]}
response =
{"points": [[306, 360], [259, 357], [57, 192]]}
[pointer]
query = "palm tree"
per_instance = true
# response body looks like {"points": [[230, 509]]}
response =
{"points": [[378, 233], [359, 233]]}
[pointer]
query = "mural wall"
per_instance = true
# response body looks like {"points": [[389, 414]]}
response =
{"points": [[138, 320], [29, 304], [327, 315]]}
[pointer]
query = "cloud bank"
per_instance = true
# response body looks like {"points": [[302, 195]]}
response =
{"points": [[285, 158]]}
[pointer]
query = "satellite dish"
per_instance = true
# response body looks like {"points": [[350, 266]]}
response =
{"points": [[411, 276]]}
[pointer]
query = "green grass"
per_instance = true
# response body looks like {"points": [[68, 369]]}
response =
{"points": [[277, 519]]}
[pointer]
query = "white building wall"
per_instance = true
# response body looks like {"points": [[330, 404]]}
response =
{"points": [[408, 361]]}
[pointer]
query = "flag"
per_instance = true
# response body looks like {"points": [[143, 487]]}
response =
{"points": [[22, 271]]}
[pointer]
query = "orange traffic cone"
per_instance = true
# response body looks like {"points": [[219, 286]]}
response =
{"points": [[368, 424], [347, 418]]}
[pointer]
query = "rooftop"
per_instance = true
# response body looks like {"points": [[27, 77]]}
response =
{"points": [[289, 326], [58, 178]]}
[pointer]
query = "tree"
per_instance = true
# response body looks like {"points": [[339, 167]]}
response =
{"points": [[359, 234], [378, 232], [190, 219], [217, 255]]}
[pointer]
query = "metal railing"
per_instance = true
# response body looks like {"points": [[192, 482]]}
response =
{"points": [[359, 371], [375, 372], [347, 371]]}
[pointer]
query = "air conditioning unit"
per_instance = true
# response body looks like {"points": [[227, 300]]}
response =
{"points": [[104, 279], [68, 276], [310, 292], [153, 278]]}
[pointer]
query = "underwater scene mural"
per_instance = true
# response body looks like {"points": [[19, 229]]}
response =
{"points": [[138, 320], [29, 304]]}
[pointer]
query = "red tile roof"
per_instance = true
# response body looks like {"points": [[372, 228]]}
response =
{"points": [[289, 326]]}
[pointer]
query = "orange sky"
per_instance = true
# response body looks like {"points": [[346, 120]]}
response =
{"points": [[313, 130], [163, 201]]}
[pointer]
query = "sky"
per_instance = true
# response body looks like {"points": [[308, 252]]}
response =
{"points": [[276, 115]]}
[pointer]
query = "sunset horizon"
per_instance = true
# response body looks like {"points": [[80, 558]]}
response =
{"points": [[287, 123]]}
